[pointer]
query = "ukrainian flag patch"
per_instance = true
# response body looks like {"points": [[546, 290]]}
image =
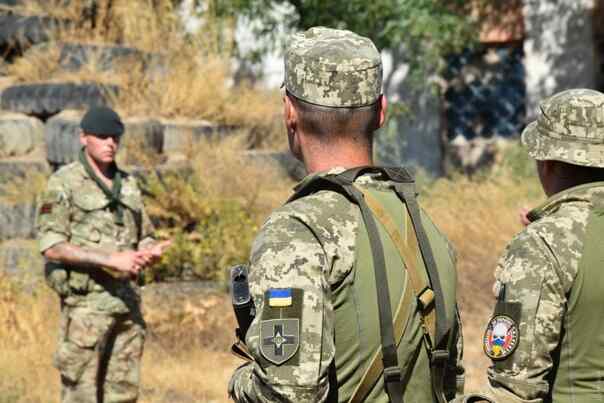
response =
{"points": [[280, 297]]}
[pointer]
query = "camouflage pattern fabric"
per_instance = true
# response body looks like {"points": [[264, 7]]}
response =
{"points": [[308, 244], [96, 307], [333, 68], [537, 271], [99, 356], [570, 128]]}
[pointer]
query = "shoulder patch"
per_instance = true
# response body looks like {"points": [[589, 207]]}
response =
{"points": [[46, 208], [280, 324], [501, 337], [280, 297], [279, 339]]}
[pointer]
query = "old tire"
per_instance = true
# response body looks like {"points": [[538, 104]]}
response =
{"points": [[46, 99], [19, 134], [143, 138], [74, 56], [181, 134], [18, 32], [17, 169], [62, 137], [17, 219]]}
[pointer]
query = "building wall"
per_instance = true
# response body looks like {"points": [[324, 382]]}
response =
{"points": [[559, 53], [559, 48]]}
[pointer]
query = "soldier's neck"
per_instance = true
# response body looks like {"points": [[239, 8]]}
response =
{"points": [[321, 157]]}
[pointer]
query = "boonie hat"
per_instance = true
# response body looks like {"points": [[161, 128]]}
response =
{"points": [[332, 67], [569, 128], [102, 121]]}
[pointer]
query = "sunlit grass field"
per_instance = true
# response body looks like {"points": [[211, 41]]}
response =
{"points": [[186, 357]]}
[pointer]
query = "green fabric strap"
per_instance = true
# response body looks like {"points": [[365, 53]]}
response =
{"points": [[112, 194]]}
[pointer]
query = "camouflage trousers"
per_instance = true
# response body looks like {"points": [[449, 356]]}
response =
{"points": [[99, 356]]}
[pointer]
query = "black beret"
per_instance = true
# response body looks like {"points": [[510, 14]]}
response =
{"points": [[100, 120]]}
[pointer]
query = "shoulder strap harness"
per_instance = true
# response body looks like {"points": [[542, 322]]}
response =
{"points": [[430, 296]]}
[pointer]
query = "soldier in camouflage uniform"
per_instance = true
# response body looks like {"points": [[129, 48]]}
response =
{"points": [[316, 326], [96, 237], [546, 337]]}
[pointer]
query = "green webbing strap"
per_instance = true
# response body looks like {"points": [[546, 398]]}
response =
{"points": [[392, 372], [342, 183], [416, 286], [112, 194], [438, 346], [376, 367]]}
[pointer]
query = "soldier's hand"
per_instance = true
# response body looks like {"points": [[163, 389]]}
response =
{"points": [[129, 261], [156, 251], [523, 216]]}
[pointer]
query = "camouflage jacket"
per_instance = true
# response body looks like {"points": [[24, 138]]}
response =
{"points": [[74, 209], [308, 244], [537, 272]]}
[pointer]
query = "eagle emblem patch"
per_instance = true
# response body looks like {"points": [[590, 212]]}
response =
{"points": [[501, 337]]}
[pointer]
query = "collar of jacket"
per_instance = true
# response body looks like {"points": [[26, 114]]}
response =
{"points": [[584, 193]]}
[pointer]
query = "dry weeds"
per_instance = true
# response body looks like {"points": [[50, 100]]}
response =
{"points": [[178, 74], [479, 217], [185, 356]]}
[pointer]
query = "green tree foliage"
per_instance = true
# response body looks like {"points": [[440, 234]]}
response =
{"points": [[425, 29]]}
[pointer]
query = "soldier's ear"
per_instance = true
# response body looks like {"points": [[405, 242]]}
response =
{"points": [[289, 114], [382, 109], [83, 138]]}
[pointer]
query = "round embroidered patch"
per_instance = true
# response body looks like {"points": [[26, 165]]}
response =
{"points": [[501, 337]]}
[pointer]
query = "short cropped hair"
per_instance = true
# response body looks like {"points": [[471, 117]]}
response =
{"points": [[327, 122]]}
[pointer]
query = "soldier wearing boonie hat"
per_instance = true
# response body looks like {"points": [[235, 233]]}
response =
{"points": [[316, 333], [569, 128], [96, 237], [546, 336]]}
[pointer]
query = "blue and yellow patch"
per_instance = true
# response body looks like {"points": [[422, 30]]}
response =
{"points": [[280, 297]]}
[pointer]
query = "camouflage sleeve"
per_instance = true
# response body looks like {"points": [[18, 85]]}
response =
{"points": [[146, 238], [455, 373], [292, 336], [528, 315], [53, 215]]}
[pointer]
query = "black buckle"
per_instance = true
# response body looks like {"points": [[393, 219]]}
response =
{"points": [[392, 374], [439, 356]]}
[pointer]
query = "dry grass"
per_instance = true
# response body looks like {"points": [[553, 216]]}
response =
{"points": [[479, 217], [180, 75], [213, 211], [179, 365], [185, 357], [25, 189], [27, 337]]}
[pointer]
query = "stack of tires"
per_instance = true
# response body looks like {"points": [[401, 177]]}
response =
{"points": [[39, 121]]}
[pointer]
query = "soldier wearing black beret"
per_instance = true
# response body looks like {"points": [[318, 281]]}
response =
{"points": [[96, 238]]}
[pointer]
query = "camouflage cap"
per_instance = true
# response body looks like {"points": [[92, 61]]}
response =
{"points": [[332, 67], [569, 128]]}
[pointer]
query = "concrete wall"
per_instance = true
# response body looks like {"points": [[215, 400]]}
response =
{"points": [[413, 137], [559, 48]]}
